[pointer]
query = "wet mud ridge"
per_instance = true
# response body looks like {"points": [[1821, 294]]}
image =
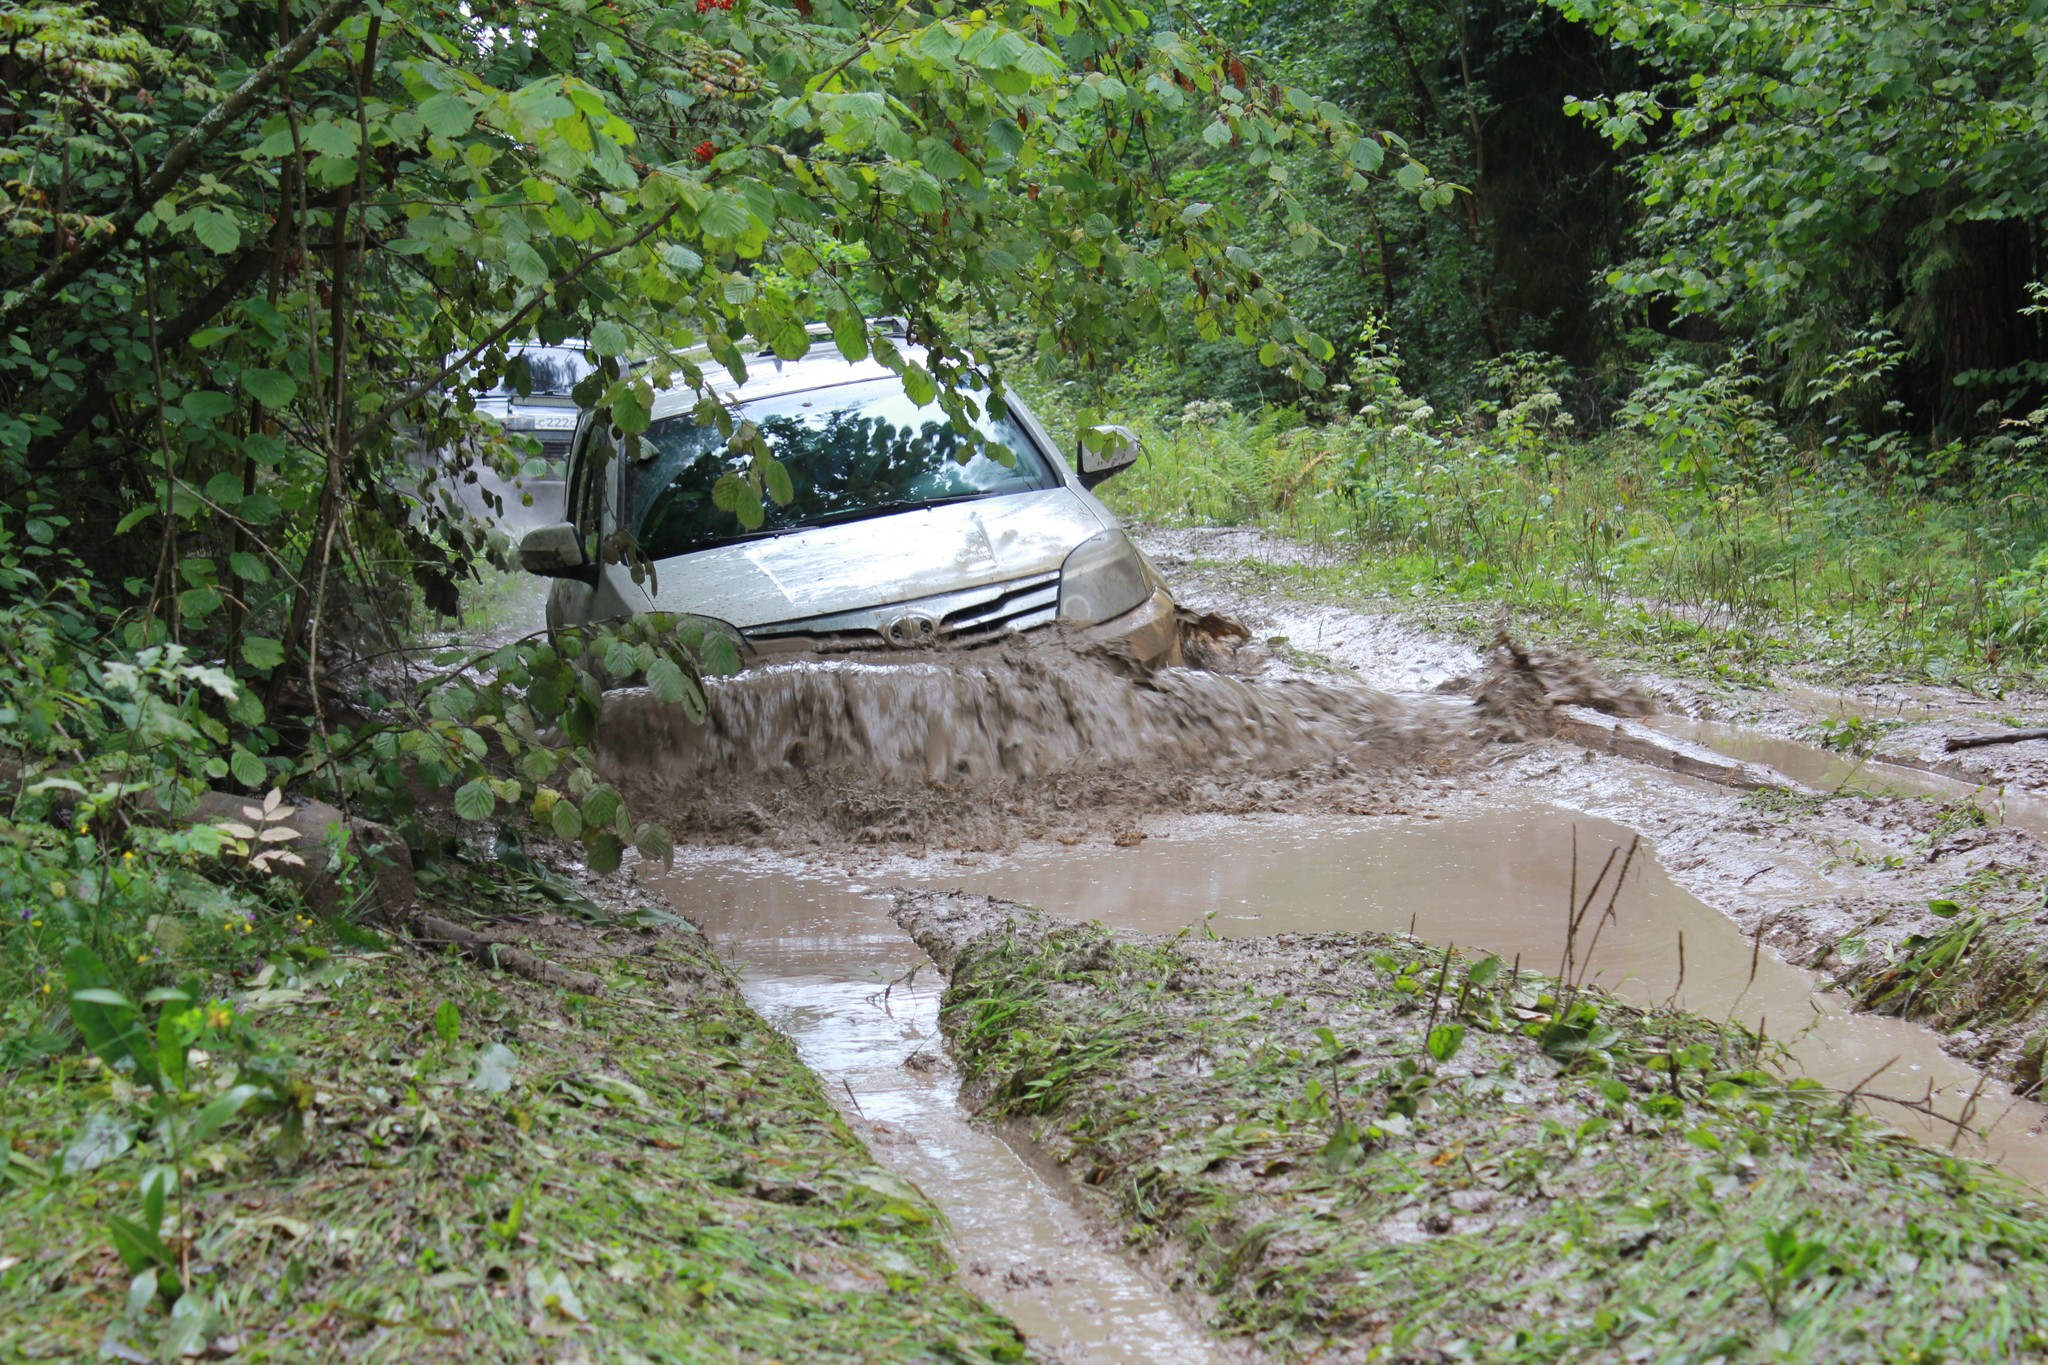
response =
{"points": [[1362, 1146]]}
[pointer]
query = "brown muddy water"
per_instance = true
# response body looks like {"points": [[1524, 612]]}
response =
{"points": [[822, 961], [816, 949]]}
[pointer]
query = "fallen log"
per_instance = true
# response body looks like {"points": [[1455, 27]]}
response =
{"points": [[492, 953], [1955, 742]]}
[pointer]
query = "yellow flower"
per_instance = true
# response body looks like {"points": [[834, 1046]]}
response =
{"points": [[46, 988], [129, 856], [141, 958], [219, 1016], [56, 888]]}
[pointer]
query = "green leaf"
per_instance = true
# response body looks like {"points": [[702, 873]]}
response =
{"points": [[1944, 909], [603, 852], [655, 844], [726, 215], [220, 1111], [667, 681], [447, 115], [735, 495], [261, 652], [142, 1293], [621, 659], [272, 388], [247, 768], [566, 821], [850, 335], [918, 385], [186, 1333], [526, 264], [1445, 1040], [601, 806], [216, 231], [631, 411], [775, 476], [206, 405], [106, 1019], [474, 800], [447, 1023], [138, 1247], [249, 568], [199, 603]]}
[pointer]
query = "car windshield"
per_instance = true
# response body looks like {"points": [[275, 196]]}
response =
{"points": [[554, 370], [852, 451]]}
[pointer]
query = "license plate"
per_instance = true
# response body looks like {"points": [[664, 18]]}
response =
{"points": [[555, 421]]}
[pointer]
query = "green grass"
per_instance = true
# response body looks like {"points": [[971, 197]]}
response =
{"points": [[1561, 1178], [660, 1152], [1799, 562]]}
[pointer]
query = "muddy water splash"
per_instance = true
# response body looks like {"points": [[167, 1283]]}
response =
{"points": [[885, 750]]}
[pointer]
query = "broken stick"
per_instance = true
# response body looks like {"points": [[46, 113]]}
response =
{"points": [[1955, 742]]}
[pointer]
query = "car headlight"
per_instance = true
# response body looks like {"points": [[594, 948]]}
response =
{"points": [[1103, 577]]}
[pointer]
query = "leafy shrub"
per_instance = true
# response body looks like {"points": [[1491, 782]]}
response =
{"points": [[1710, 427], [2016, 608]]}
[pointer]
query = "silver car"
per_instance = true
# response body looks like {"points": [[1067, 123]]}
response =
{"points": [[890, 541]]}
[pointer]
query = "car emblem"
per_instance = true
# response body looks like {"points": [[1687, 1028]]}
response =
{"points": [[911, 631]]}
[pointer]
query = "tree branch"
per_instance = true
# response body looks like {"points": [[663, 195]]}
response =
{"points": [[45, 287]]}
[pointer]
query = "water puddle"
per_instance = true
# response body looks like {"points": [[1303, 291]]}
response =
{"points": [[823, 962], [1825, 770], [1497, 881]]}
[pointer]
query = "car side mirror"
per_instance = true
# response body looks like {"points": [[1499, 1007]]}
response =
{"points": [[1105, 452], [555, 552]]}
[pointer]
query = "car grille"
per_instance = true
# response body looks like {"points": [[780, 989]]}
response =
{"points": [[975, 616]]}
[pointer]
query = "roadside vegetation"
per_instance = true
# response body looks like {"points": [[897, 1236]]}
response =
{"points": [[354, 1148], [1698, 533], [1360, 1143]]}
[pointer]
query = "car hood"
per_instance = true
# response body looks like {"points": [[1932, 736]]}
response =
{"points": [[874, 562]]}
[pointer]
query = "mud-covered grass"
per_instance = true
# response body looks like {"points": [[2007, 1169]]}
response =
{"points": [[1673, 642], [1970, 962], [1355, 1147], [649, 1175]]}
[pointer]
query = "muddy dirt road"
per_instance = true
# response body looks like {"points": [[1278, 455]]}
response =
{"points": [[1337, 774]]}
